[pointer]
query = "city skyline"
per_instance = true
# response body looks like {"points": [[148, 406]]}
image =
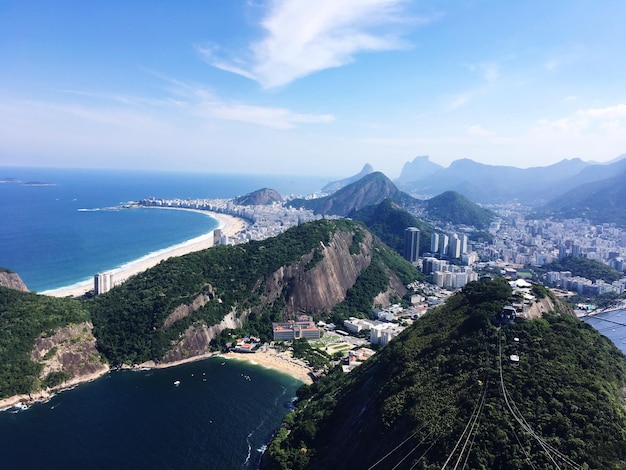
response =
{"points": [[293, 87]]}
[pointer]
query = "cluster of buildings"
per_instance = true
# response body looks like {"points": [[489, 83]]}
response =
{"points": [[435, 263], [303, 327], [539, 242], [264, 221], [582, 286]]}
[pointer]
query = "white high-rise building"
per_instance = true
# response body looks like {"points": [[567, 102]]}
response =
{"points": [[434, 243], [102, 282]]}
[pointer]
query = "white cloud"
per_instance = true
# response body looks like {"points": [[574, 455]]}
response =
{"points": [[592, 120], [490, 71], [457, 101], [200, 102], [279, 118], [478, 130], [611, 112], [303, 37]]}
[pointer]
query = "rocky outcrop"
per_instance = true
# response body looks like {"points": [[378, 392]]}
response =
{"points": [[196, 340], [319, 288], [260, 197], [12, 280], [184, 310], [71, 350]]}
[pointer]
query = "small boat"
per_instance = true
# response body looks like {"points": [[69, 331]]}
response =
{"points": [[177, 383]]}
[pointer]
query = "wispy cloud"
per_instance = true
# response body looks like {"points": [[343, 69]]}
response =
{"points": [[610, 118], [489, 71], [202, 103], [279, 118], [478, 130], [303, 37]]}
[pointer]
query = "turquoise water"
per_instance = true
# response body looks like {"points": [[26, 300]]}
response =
{"points": [[50, 242]]}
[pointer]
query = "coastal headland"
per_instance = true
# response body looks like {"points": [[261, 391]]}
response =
{"points": [[228, 224]]}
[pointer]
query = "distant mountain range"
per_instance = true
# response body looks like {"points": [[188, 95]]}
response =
{"points": [[599, 201], [337, 185], [374, 188], [498, 184]]}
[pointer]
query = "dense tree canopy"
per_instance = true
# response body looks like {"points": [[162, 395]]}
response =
{"points": [[413, 404]]}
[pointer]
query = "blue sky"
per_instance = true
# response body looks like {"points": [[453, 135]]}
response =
{"points": [[303, 87]]}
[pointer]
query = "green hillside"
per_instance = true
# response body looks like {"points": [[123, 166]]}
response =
{"points": [[598, 201], [388, 221], [456, 209], [23, 318], [583, 267], [445, 394], [129, 321]]}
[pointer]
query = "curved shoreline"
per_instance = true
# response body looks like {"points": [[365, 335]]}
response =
{"points": [[268, 359], [228, 224]]}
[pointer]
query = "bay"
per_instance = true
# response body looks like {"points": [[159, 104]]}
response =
{"points": [[219, 417]]}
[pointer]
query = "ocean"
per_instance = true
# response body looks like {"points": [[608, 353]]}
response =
{"points": [[611, 324], [60, 234]]}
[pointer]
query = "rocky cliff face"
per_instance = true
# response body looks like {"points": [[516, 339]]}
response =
{"points": [[72, 351], [319, 288], [12, 281], [314, 285]]}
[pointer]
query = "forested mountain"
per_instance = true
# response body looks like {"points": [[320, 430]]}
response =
{"points": [[497, 183], [179, 308], [599, 201], [454, 208], [388, 221], [25, 317], [446, 394], [419, 169], [189, 305], [369, 190]]}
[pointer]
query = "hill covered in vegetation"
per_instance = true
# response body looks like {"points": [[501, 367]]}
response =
{"points": [[183, 306], [447, 392], [25, 317], [388, 220], [369, 190], [190, 305], [454, 208], [599, 201]]}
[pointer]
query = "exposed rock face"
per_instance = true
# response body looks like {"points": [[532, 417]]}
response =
{"points": [[183, 311], [72, 350], [12, 281], [197, 338], [260, 197], [320, 288], [307, 286]]}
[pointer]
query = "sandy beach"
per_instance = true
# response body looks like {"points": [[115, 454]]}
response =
{"points": [[277, 361], [229, 225]]}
